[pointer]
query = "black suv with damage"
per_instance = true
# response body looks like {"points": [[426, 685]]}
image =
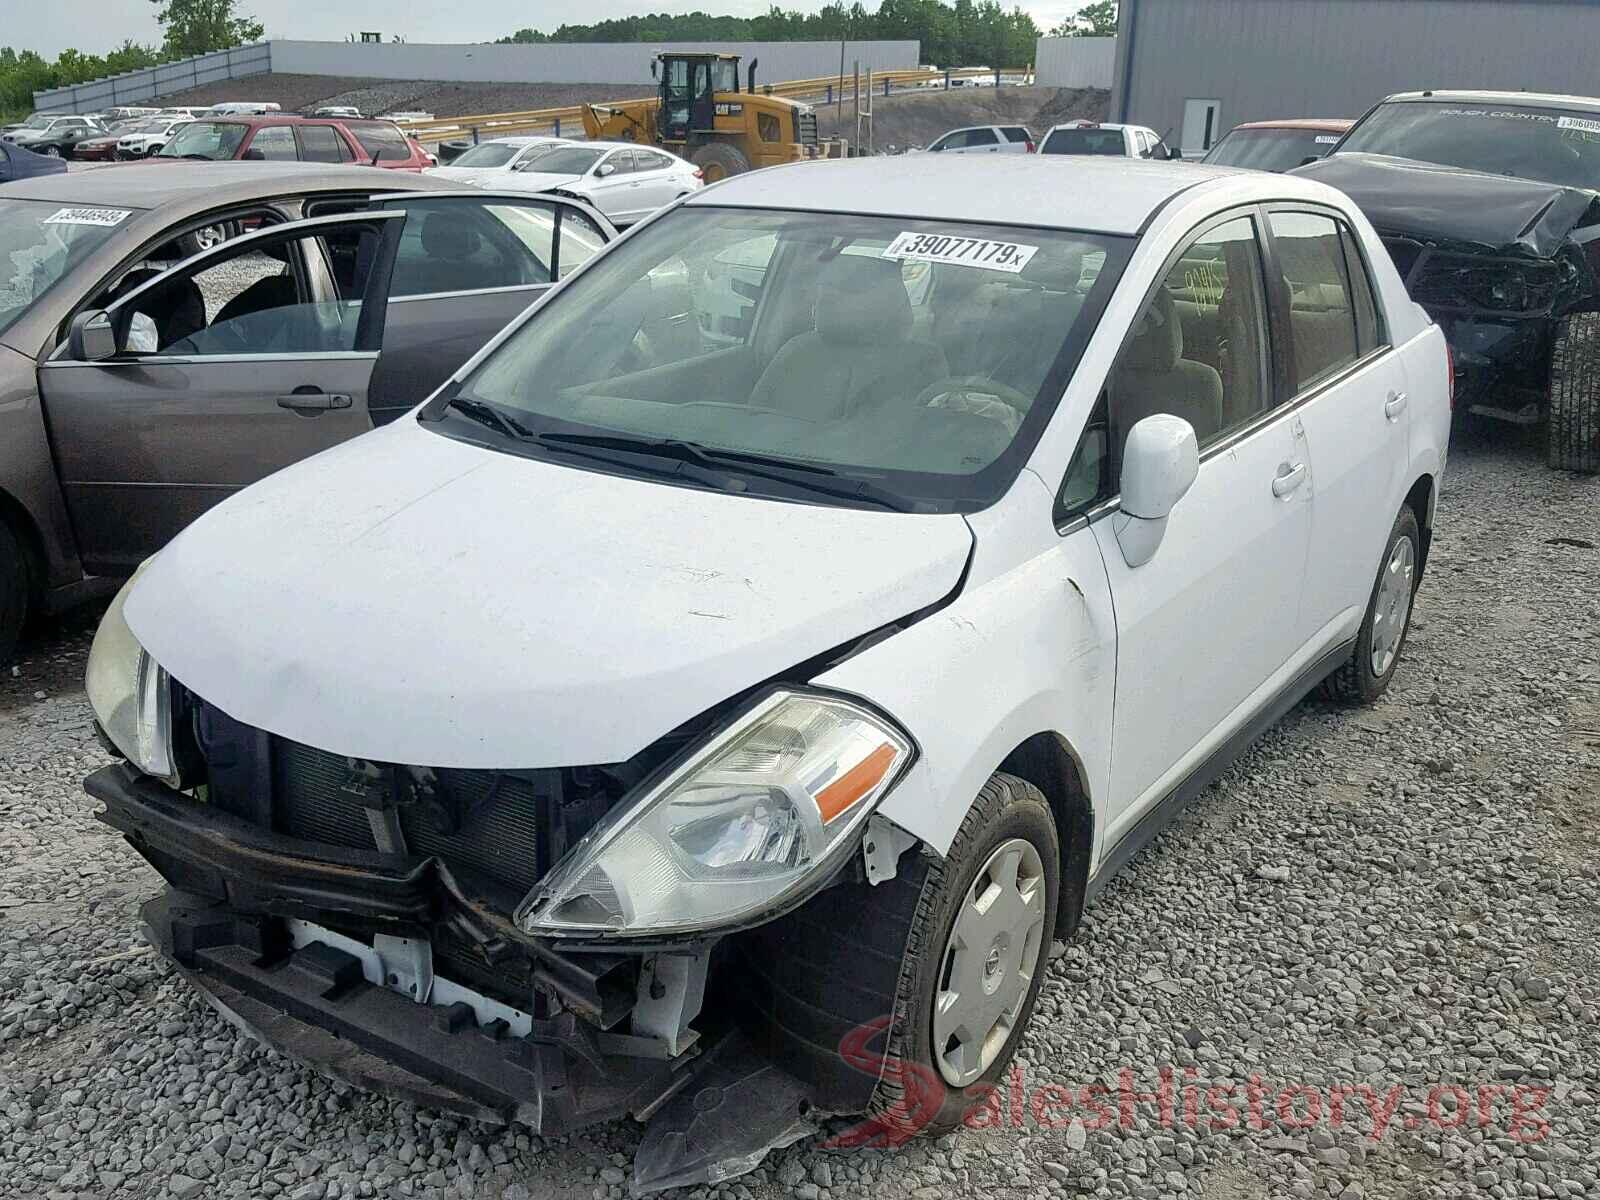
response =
{"points": [[1489, 203]]}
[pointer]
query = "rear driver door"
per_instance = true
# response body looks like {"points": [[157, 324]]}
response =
{"points": [[236, 363]]}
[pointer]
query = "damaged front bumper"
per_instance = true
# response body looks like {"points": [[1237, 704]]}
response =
{"points": [[322, 952]]}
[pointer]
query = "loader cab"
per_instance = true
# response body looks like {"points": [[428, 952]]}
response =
{"points": [[689, 87]]}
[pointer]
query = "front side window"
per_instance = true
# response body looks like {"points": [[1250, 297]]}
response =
{"points": [[1498, 139], [1322, 318], [916, 360], [213, 140], [1196, 351]]}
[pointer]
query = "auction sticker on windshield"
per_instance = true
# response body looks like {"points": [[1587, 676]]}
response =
{"points": [[1578, 125], [961, 251], [105, 218]]}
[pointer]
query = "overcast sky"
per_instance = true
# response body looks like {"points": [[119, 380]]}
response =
{"points": [[95, 26]]}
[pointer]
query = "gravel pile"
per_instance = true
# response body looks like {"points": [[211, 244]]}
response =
{"points": [[1402, 898]]}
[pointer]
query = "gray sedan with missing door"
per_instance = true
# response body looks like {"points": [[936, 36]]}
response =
{"points": [[139, 387]]}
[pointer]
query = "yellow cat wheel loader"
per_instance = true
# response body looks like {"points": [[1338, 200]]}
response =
{"points": [[700, 114]]}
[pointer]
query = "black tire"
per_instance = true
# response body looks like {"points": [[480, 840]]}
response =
{"points": [[718, 160], [1356, 682], [912, 1096], [205, 238], [1574, 417], [15, 591]]}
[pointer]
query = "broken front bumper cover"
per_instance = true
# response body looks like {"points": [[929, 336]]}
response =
{"points": [[224, 924]]}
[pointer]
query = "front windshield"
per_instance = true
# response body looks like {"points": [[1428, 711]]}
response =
{"points": [[1270, 149], [569, 160], [39, 122], [216, 140], [918, 358], [1499, 139], [1084, 141], [40, 241], [490, 154]]}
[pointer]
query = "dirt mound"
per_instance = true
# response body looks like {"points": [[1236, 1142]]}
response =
{"points": [[916, 118]]}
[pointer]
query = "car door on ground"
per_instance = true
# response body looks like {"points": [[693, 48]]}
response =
{"points": [[1230, 568], [1350, 385], [467, 264], [237, 363]]}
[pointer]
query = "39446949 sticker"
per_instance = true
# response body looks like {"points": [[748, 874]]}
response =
{"points": [[961, 251], [103, 217]]}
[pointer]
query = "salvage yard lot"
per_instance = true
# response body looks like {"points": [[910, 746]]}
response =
{"points": [[1400, 897]]}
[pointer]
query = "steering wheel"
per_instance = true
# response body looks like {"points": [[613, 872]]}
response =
{"points": [[975, 394]]}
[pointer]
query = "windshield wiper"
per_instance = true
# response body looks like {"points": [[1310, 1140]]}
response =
{"points": [[810, 477], [488, 414]]}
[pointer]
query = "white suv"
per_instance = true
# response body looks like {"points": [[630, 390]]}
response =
{"points": [[984, 139], [1116, 141], [712, 722]]}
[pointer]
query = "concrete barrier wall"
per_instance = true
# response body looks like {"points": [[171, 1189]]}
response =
{"points": [[572, 62], [141, 87], [1075, 62]]}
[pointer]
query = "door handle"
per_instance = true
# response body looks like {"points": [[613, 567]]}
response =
{"points": [[1288, 479], [1394, 405], [314, 401]]}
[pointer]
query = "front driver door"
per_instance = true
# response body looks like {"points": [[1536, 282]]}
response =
{"points": [[1206, 626], [235, 364], [469, 262]]}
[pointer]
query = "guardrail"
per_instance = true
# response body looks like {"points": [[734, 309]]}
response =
{"points": [[554, 120]]}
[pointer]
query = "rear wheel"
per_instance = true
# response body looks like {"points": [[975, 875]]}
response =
{"points": [[974, 961], [718, 160], [1371, 666], [1573, 426], [50, 151], [15, 580]]}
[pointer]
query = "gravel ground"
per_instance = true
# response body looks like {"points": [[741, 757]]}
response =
{"points": [[916, 118], [1400, 897]]}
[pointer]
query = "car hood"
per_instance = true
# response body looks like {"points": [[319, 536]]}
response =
{"points": [[409, 598], [1471, 210], [541, 181]]}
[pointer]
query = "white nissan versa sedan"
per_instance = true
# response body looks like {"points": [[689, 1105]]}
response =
{"points": [[685, 727]]}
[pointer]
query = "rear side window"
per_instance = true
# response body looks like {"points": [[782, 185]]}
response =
{"points": [[456, 244], [1369, 328], [1015, 133], [321, 143], [1322, 316], [981, 137], [382, 142]]}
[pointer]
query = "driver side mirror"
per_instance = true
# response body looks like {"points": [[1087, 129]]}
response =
{"points": [[605, 169], [92, 337], [1160, 463]]}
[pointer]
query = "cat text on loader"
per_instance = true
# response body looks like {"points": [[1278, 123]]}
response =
{"points": [[700, 114]]}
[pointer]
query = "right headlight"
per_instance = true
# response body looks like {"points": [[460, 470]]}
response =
{"points": [[741, 828], [129, 692]]}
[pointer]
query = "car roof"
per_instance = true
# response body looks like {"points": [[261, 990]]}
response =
{"points": [[150, 185], [1525, 99], [1319, 124], [1115, 196]]}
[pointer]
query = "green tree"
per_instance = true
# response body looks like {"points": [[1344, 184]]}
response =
{"points": [[1092, 20], [200, 26]]}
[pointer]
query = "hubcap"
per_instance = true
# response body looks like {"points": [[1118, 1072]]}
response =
{"points": [[52, 152], [1393, 609], [989, 962]]}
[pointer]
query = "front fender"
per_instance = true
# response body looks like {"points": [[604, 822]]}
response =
{"points": [[1028, 647]]}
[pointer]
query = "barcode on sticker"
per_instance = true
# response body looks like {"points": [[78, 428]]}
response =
{"points": [[1579, 124], [104, 217], [961, 251], [1326, 139]]}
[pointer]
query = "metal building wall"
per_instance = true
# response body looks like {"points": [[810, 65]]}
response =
{"points": [[1075, 62], [1335, 58], [572, 62], [141, 87]]}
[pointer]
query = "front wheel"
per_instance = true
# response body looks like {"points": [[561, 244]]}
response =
{"points": [[718, 160], [51, 151], [1366, 675], [1573, 427], [974, 961]]}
